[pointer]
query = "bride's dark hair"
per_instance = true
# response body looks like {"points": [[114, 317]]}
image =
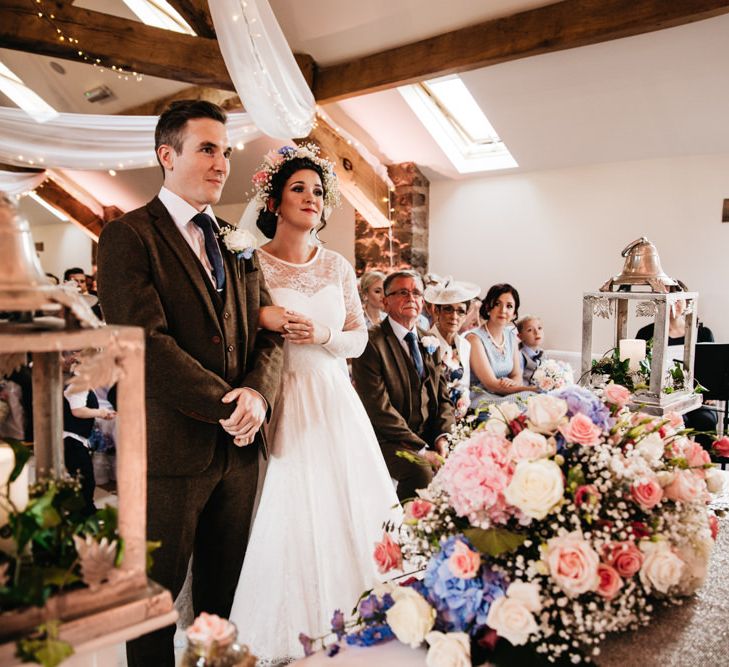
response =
{"points": [[267, 221]]}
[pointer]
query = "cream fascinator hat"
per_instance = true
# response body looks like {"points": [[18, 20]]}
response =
{"points": [[451, 291]]}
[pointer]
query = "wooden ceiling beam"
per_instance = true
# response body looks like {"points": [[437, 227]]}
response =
{"points": [[555, 27], [131, 45], [223, 98], [197, 15], [59, 198]]}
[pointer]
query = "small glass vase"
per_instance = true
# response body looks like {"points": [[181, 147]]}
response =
{"points": [[203, 651]]}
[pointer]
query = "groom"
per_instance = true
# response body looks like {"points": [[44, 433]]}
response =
{"points": [[211, 376]]}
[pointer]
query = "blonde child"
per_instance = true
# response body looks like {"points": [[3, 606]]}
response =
{"points": [[531, 334]]}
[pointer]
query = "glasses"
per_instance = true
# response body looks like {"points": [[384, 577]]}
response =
{"points": [[405, 293], [461, 312]]}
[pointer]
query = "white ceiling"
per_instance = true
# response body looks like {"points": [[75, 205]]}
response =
{"points": [[660, 94]]}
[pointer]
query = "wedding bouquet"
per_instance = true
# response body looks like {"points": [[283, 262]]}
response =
{"points": [[548, 527], [552, 374]]}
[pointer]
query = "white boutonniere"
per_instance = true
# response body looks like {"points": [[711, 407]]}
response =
{"points": [[240, 242], [430, 343]]}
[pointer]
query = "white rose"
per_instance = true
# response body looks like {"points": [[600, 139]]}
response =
{"points": [[573, 563], [715, 480], [512, 620], [526, 593], [696, 556], [662, 569], [545, 413], [536, 487], [411, 617], [496, 426], [530, 445], [507, 411], [665, 477], [651, 448], [451, 650], [238, 240]]}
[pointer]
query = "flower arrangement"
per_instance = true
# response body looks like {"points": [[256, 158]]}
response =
{"points": [[273, 161], [552, 374], [547, 527]]}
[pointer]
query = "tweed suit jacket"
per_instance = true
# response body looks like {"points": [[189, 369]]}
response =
{"points": [[388, 388], [150, 277]]}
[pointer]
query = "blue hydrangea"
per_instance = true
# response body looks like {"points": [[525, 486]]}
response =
{"points": [[370, 635], [583, 400], [462, 604]]}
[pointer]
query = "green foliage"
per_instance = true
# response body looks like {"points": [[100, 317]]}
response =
{"points": [[22, 454], [44, 647], [494, 541]]}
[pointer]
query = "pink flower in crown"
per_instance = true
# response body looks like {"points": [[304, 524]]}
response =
{"points": [[273, 157], [464, 562], [387, 554], [581, 430], [260, 178], [610, 581]]}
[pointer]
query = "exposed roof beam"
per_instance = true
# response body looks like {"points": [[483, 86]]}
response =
{"points": [[563, 25], [19, 169], [223, 98], [58, 197], [121, 42], [197, 15]]}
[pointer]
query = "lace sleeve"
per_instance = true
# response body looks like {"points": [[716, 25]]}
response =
{"points": [[351, 341]]}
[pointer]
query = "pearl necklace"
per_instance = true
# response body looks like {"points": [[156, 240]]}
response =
{"points": [[500, 347]]}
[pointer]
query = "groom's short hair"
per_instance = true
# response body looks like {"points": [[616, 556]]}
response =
{"points": [[170, 128]]}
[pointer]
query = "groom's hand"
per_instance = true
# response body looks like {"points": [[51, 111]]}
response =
{"points": [[247, 417]]}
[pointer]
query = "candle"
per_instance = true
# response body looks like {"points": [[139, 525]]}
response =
{"points": [[18, 491], [632, 349]]}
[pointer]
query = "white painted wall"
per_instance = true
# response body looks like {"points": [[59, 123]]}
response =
{"points": [[556, 234], [64, 246]]}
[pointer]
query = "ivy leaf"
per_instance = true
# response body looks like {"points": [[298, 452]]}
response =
{"points": [[494, 541], [42, 510], [22, 454], [151, 548], [47, 649]]}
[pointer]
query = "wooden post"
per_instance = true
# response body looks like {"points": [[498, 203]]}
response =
{"points": [[48, 412], [689, 341], [660, 342], [586, 335], [621, 321]]}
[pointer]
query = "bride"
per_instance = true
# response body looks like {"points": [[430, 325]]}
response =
{"points": [[326, 491]]}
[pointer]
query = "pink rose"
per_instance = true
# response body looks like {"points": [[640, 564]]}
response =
{"points": [[528, 445], [417, 509], [617, 395], [695, 454], [209, 628], [675, 420], [463, 562], [581, 430], [647, 493], [714, 526], [610, 581], [721, 446], [625, 557], [572, 564], [587, 493], [387, 554], [685, 487]]}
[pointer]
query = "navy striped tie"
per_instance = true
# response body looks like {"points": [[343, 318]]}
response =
{"points": [[212, 249]]}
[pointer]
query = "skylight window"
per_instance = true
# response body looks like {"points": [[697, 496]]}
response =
{"points": [[159, 14], [452, 116], [30, 102]]}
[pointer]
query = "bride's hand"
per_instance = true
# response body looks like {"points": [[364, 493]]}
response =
{"points": [[273, 318], [306, 332]]}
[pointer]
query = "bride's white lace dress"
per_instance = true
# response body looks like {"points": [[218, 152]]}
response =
{"points": [[327, 490]]}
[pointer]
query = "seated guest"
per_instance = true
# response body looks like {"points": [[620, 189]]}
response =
{"points": [[370, 293], [77, 275], [402, 387], [703, 418], [531, 333], [449, 303], [495, 359], [472, 319]]}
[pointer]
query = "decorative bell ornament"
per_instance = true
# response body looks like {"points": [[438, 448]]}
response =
{"points": [[24, 288], [642, 267]]}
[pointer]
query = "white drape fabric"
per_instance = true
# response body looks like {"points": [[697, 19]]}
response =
{"points": [[262, 67], [88, 141], [15, 183]]}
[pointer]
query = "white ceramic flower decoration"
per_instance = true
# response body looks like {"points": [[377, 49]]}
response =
{"points": [[97, 558]]}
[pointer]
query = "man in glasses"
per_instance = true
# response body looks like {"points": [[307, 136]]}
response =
{"points": [[401, 383]]}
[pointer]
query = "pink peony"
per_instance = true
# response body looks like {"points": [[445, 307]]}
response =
{"points": [[475, 476], [647, 493], [463, 562], [581, 430], [617, 395], [610, 581], [417, 509], [685, 487], [573, 564], [721, 446], [625, 557], [387, 554]]}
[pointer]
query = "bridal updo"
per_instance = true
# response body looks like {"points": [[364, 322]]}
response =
{"points": [[267, 221]]}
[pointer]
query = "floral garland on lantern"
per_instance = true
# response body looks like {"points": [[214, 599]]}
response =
{"points": [[274, 160]]}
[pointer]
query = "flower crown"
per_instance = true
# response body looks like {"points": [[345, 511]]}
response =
{"points": [[274, 160]]}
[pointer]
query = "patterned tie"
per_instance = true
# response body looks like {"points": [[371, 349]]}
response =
{"points": [[415, 355], [212, 249]]}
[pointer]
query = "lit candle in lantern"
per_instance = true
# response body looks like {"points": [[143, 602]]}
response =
{"points": [[18, 491], [632, 349]]}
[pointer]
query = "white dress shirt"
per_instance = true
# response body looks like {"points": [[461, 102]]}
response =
{"points": [[400, 332], [182, 213]]}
